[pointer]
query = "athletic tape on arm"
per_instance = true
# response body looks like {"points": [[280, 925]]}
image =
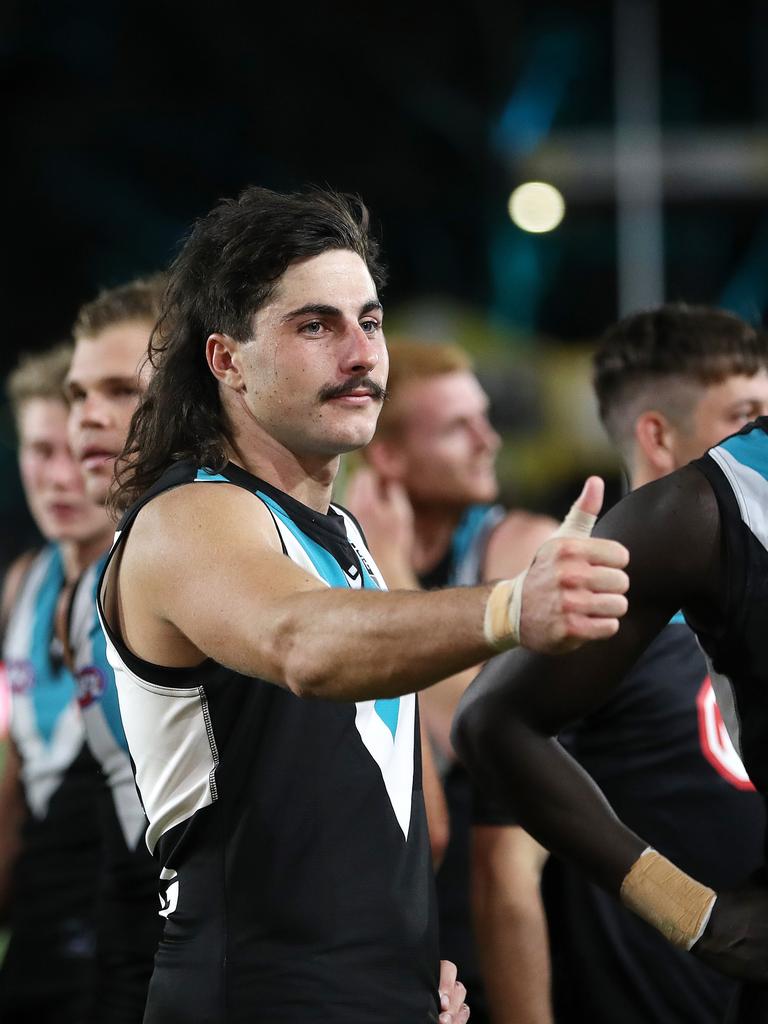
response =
{"points": [[504, 607], [674, 903]]}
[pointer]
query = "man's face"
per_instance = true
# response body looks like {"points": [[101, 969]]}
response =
{"points": [[721, 410], [447, 447], [53, 484], [316, 364], [103, 388]]}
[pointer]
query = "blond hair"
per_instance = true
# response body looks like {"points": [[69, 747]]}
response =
{"points": [[411, 361], [141, 299], [39, 375]]}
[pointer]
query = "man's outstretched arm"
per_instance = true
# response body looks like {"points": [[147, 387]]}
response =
{"points": [[228, 592], [520, 701]]}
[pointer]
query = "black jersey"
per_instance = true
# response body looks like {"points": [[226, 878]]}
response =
{"points": [[660, 754], [291, 834], [128, 911], [56, 876], [736, 647]]}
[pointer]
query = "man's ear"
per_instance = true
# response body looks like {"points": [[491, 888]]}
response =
{"points": [[223, 356], [385, 458], [655, 437]]}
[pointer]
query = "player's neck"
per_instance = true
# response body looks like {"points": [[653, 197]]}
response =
{"points": [[78, 555], [433, 527], [308, 478]]}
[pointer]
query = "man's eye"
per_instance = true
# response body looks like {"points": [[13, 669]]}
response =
{"points": [[370, 326], [313, 327]]}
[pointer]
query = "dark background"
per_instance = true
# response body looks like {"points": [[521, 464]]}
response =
{"points": [[124, 121]]}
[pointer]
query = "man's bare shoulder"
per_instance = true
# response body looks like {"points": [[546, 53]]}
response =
{"points": [[180, 521], [515, 541]]}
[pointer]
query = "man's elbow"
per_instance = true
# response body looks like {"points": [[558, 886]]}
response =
{"points": [[300, 666]]}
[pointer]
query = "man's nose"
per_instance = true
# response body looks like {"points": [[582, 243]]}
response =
{"points": [[361, 351], [94, 411]]}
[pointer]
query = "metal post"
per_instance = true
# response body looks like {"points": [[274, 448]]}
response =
{"points": [[638, 156]]}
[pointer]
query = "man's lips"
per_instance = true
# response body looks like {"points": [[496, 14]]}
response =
{"points": [[93, 458], [358, 397], [62, 509]]}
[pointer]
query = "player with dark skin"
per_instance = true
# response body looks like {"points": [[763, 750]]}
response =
{"points": [[506, 725]]}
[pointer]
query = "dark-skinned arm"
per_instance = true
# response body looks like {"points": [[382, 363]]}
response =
{"points": [[507, 719]]}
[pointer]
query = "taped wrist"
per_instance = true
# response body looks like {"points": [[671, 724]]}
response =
{"points": [[502, 613], [664, 896]]}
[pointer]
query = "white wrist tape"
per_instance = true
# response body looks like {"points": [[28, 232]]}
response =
{"points": [[505, 603], [664, 896], [576, 524], [502, 613]]}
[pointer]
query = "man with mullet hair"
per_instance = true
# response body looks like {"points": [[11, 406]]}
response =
{"points": [[266, 681], [670, 384]]}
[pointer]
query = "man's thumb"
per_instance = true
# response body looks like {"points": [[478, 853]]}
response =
{"points": [[584, 511]]}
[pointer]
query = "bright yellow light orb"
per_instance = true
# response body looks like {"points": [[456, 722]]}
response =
{"points": [[536, 206]]}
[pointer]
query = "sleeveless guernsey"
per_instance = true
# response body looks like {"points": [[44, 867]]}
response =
{"points": [[658, 750], [291, 834], [56, 876], [737, 470], [129, 922]]}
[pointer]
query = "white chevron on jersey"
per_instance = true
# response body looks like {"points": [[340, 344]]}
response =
{"points": [[44, 761], [750, 489], [392, 754]]}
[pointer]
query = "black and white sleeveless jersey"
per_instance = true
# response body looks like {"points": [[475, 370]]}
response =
{"points": [[56, 876], [658, 750], [737, 647], [128, 913], [291, 833]]}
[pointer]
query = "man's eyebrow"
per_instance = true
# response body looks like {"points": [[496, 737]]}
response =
{"points": [[321, 309], [116, 380]]}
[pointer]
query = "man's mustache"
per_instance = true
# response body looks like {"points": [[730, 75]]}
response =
{"points": [[361, 383]]}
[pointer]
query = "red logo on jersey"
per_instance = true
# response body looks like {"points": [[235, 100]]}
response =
{"points": [[21, 676], [716, 743], [90, 685]]}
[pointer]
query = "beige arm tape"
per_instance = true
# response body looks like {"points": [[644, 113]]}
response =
{"points": [[505, 603], [664, 896]]}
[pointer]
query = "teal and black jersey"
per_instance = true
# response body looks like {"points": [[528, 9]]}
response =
{"points": [[291, 834], [736, 647], [659, 752], [56, 876], [128, 919]]}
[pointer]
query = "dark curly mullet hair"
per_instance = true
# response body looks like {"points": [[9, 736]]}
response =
{"points": [[227, 269]]}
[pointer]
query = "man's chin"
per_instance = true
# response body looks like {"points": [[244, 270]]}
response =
{"points": [[97, 488]]}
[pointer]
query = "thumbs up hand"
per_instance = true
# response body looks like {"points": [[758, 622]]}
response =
{"points": [[573, 591]]}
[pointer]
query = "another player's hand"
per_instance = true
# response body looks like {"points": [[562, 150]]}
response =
{"points": [[735, 940], [453, 1008], [574, 590]]}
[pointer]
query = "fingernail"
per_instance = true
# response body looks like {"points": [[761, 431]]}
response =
{"points": [[445, 1002]]}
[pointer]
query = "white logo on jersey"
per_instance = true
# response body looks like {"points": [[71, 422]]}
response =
{"points": [[716, 743], [169, 892]]}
